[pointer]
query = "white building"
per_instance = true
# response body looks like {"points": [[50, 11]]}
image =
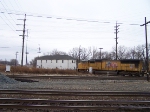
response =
{"points": [[56, 61]]}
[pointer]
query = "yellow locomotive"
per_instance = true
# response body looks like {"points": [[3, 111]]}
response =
{"points": [[132, 67]]}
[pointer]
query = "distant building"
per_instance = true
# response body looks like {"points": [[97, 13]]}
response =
{"points": [[56, 61], [6, 63]]}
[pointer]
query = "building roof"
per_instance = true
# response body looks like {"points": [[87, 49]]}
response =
{"points": [[56, 57]]}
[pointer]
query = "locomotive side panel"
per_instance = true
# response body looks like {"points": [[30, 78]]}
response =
{"points": [[83, 66], [131, 65], [110, 65]]}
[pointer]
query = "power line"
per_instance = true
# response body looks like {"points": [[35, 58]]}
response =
{"points": [[59, 18], [8, 25], [9, 15], [18, 4]]}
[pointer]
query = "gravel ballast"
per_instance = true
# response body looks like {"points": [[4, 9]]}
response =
{"points": [[76, 84]]}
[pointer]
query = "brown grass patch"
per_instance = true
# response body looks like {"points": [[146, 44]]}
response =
{"points": [[33, 70]]}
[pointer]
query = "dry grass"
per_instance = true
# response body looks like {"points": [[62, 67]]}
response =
{"points": [[2, 68], [33, 70]]}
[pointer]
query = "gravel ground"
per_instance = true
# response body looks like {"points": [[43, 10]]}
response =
{"points": [[76, 84]]}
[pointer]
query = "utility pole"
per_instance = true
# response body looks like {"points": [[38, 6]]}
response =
{"points": [[116, 31], [79, 53], [23, 37], [146, 60], [16, 59], [26, 55], [26, 50], [23, 40], [100, 53], [39, 49]]}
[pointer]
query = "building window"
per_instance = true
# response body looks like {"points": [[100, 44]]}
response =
{"points": [[51, 61], [72, 61], [46, 61], [41, 61], [56, 61], [62, 61]]}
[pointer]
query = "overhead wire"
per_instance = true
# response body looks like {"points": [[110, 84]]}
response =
{"points": [[18, 5], [59, 18], [81, 20], [14, 28], [70, 19], [9, 14]]}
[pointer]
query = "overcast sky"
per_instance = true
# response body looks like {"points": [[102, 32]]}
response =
{"points": [[66, 24]]}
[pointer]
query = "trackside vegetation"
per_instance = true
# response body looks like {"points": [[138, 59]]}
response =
{"points": [[33, 70]]}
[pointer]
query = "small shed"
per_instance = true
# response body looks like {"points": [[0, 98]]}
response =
{"points": [[7, 68]]}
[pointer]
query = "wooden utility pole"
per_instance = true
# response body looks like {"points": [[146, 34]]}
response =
{"points": [[23, 40], [100, 57], [79, 53], [23, 37], [16, 59], [116, 31], [26, 51], [146, 60]]}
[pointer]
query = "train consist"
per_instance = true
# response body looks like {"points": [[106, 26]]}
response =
{"points": [[132, 67]]}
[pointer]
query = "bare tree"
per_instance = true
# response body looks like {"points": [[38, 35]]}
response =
{"points": [[81, 53], [14, 62], [56, 52], [94, 53], [130, 53], [140, 52], [86, 53], [74, 53], [121, 52], [106, 55], [34, 61]]}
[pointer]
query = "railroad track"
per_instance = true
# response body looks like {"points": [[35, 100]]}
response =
{"points": [[20, 77], [118, 100], [75, 93], [71, 104]]}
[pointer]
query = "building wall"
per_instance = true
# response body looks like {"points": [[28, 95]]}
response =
{"points": [[53, 64]]}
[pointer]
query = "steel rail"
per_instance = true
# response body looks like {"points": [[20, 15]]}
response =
{"points": [[75, 104], [76, 93], [52, 94], [69, 107], [76, 101], [77, 77]]}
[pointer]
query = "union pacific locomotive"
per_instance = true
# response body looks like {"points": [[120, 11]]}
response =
{"points": [[132, 67]]}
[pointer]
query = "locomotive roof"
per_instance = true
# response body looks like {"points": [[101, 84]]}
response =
{"points": [[122, 61], [130, 61]]}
